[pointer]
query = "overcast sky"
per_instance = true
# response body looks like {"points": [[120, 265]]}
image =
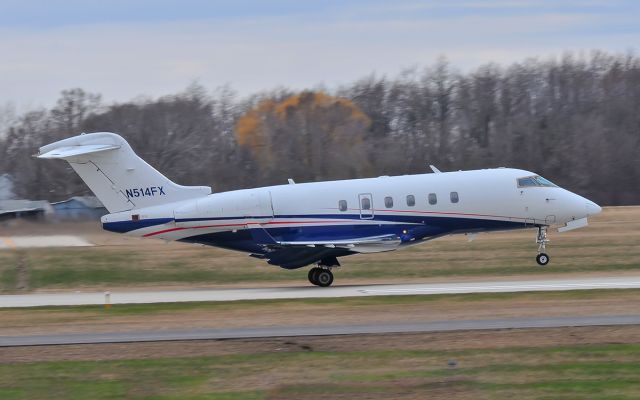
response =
{"points": [[125, 48]]}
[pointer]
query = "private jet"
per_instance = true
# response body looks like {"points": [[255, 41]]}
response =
{"points": [[299, 224]]}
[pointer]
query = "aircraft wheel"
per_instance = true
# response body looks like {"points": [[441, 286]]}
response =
{"points": [[313, 273], [324, 278], [542, 259]]}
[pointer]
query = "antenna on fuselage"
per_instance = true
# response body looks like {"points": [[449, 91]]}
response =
{"points": [[291, 182], [434, 169]]}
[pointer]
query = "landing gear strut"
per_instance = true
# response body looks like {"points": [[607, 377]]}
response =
{"points": [[542, 258], [321, 276]]}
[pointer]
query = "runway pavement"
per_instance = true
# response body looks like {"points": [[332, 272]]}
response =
{"points": [[267, 332], [299, 292], [13, 242]]}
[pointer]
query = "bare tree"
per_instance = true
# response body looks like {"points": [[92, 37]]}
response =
{"points": [[574, 119]]}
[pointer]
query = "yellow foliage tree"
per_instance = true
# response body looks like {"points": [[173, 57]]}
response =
{"points": [[321, 135]]}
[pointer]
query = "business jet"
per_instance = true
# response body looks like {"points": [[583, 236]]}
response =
{"points": [[299, 224]]}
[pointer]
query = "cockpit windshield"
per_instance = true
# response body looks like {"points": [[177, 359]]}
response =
{"points": [[535, 180]]}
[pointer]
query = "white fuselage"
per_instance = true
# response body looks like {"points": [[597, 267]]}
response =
{"points": [[300, 224], [487, 200]]}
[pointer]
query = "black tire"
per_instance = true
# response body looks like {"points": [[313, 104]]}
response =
{"points": [[313, 275], [324, 278], [543, 259]]}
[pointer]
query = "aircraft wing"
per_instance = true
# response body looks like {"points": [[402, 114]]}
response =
{"points": [[370, 244], [373, 244], [300, 253]]}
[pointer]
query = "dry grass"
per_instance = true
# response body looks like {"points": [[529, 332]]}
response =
{"points": [[610, 243], [560, 363], [432, 341]]}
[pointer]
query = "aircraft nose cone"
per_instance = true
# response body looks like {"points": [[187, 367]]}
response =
{"points": [[593, 208]]}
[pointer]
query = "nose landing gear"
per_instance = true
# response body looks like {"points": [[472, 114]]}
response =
{"points": [[321, 276], [542, 258]]}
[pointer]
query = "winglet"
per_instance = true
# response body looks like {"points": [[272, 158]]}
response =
{"points": [[434, 169]]}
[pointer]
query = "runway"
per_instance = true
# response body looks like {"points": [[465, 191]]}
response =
{"points": [[268, 332], [305, 292], [13, 242]]}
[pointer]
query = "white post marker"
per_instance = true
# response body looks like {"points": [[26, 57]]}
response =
{"points": [[107, 299]]}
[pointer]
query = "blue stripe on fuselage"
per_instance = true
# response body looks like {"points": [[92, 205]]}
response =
{"points": [[434, 226], [405, 227], [128, 226], [422, 225]]}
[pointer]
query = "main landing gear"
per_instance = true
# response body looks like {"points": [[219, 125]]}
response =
{"points": [[542, 258], [321, 276]]}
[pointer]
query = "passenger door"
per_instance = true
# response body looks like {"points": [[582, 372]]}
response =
{"points": [[365, 201]]}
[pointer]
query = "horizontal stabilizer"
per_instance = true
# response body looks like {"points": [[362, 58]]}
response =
{"points": [[72, 151]]}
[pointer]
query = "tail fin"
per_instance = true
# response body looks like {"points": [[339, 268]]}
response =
{"points": [[118, 177]]}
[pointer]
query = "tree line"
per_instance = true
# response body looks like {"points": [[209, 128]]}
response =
{"points": [[574, 119]]}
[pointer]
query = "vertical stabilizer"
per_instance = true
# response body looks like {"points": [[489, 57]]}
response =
{"points": [[118, 177]]}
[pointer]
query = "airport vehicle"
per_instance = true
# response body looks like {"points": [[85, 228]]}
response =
{"points": [[296, 225]]}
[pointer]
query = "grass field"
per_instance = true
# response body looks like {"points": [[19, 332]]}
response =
{"points": [[610, 243], [560, 363], [593, 371]]}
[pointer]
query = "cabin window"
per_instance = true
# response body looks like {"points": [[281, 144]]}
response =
{"points": [[342, 205], [454, 197], [388, 202], [411, 200], [365, 202], [433, 199]]}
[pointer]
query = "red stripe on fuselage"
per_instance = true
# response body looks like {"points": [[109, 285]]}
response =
{"points": [[245, 224], [164, 231], [374, 210], [328, 221], [448, 213]]}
